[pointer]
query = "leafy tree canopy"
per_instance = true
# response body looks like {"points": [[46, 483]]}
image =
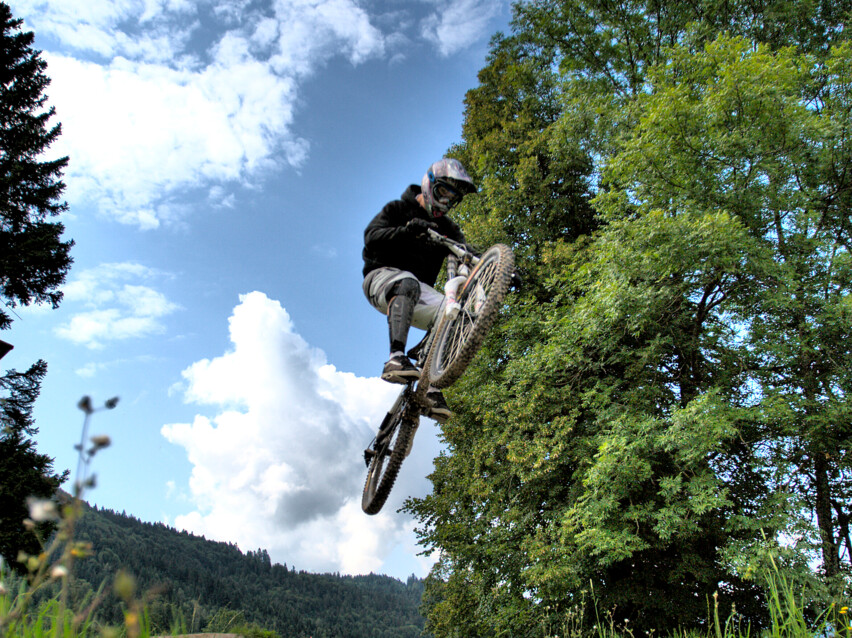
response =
{"points": [[669, 387]]}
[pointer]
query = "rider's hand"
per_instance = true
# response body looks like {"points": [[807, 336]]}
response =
{"points": [[418, 226]]}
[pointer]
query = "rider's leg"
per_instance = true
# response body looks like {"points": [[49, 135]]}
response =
{"points": [[403, 296], [426, 310]]}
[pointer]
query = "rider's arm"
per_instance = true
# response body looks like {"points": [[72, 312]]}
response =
{"points": [[386, 227]]}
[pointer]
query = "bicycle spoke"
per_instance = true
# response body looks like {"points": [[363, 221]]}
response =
{"points": [[473, 300], [480, 302], [389, 454], [463, 325]]}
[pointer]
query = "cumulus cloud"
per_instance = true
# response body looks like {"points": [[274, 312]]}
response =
{"points": [[117, 305], [280, 464], [108, 28], [305, 34]]}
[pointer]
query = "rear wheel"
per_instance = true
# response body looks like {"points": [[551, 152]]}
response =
{"points": [[458, 340], [387, 456]]}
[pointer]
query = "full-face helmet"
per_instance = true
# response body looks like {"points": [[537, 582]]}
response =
{"points": [[444, 185]]}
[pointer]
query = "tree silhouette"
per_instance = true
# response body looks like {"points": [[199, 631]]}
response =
{"points": [[33, 264]]}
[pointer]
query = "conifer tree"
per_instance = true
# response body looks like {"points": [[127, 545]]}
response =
{"points": [[24, 473], [34, 260]]}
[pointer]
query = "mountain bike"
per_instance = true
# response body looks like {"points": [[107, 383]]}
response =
{"points": [[474, 293]]}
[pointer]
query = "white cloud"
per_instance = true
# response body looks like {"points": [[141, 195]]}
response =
{"points": [[324, 251], [311, 31], [89, 370], [116, 308], [94, 368], [150, 132], [280, 465], [456, 24]]}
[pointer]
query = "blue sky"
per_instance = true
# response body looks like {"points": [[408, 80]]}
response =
{"points": [[225, 156]]}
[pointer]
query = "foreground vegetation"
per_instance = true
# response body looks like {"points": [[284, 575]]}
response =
{"points": [[53, 618]]}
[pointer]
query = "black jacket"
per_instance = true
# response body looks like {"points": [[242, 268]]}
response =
{"points": [[388, 243]]}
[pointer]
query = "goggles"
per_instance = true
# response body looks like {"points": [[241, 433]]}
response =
{"points": [[446, 194]]}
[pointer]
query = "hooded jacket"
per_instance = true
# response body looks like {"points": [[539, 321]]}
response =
{"points": [[387, 243]]}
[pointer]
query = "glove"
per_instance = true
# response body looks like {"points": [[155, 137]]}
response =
{"points": [[417, 226]]}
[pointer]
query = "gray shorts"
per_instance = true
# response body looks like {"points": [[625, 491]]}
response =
{"points": [[378, 283]]}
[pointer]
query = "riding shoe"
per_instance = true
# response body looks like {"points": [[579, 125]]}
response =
{"points": [[437, 407], [399, 369]]}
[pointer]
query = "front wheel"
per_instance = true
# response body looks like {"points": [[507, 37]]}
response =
{"points": [[458, 340], [387, 456]]}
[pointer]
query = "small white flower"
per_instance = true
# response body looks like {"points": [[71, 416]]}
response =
{"points": [[3, 590], [60, 571], [42, 510]]}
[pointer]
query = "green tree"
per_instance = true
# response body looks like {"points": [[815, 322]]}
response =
{"points": [[34, 260], [670, 386]]}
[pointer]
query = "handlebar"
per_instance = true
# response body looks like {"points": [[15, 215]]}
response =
{"points": [[461, 254], [456, 248]]}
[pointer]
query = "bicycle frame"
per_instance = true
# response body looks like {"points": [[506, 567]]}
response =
{"points": [[466, 314], [461, 260]]}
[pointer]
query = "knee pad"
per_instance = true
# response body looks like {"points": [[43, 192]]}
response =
{"points": [[408, 287]]}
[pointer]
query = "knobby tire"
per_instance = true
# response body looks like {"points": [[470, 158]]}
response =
{"points": [[458, 340], [385, 464]]}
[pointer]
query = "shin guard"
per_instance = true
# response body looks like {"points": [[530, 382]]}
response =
{"points": [[404, 296]]}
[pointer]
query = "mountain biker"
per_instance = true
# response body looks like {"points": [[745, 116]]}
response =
{"points": [[401, 265]]}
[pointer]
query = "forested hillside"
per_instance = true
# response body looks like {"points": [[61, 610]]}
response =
{"points": [[190, 579], [664, 404]]}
